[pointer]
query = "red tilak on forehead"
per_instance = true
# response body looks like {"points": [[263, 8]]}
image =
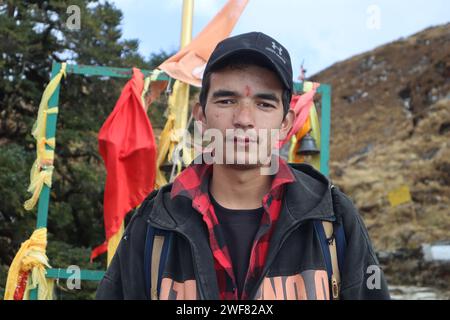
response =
{"points": [[247, 91]]}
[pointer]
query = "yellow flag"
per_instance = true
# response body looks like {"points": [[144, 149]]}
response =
{"points": [[31, 257], [399, 196]]}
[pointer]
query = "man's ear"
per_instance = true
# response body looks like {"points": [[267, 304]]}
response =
{"points": [[197, 112], [287, 124]]}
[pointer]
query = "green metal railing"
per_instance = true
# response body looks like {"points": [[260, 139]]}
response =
{"points": [[42, 214], [44, 197]]}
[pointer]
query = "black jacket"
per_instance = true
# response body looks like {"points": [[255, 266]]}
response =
{"points": [[295, 266]]}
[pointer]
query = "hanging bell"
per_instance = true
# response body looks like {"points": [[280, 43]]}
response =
{"points": [[308, 146]]}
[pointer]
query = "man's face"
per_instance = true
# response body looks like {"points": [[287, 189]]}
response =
{"points": [[245, 106]]}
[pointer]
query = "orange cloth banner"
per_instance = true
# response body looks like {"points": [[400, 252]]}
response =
{"points": [[189, 63]]}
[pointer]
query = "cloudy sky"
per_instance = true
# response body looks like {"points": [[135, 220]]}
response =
{"points": [[320, 32]]}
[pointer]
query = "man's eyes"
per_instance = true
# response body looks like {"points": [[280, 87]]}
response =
{"points": [[264, 105]]}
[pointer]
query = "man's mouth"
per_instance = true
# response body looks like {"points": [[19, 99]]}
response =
{"points": [[244, 140]]}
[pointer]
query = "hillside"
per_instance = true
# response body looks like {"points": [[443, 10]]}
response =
{"points": [[391, 127]]}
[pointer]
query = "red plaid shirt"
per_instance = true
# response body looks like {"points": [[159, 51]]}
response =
{"points": [[193, 182]]}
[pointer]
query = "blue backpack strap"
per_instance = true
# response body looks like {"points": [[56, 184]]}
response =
{"points": [[339, 233], [148, 250], [341, 244], [339, 237], [318, 227], [148, 255]]}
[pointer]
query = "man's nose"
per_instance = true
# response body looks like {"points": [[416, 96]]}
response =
{"points": [[243, 115]]}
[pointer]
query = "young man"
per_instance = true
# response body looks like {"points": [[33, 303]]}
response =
{"points": [[240, 228]]}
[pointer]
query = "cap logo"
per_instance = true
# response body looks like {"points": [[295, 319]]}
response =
{"points": [[275, 47], [277, 50]]}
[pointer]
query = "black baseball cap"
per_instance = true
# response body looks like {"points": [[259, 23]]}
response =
{"points": [[259, 44]]}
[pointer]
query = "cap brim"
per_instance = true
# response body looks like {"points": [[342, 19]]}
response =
{"points": [[275, 66]]}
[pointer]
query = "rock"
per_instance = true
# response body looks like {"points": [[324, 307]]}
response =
{"points": [[439, 252]]}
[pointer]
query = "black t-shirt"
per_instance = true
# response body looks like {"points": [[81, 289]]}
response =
{"points": [[239, 228]]}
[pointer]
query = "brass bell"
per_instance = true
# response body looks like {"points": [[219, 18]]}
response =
{"points": [[308, 146]]}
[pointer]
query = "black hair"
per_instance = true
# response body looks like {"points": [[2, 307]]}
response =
{"points": [[240, 62]]}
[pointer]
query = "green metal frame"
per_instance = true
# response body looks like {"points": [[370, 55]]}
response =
{"points": [[44, 198]]}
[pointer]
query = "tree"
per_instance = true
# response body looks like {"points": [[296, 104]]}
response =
{"points": [[32, 35]]}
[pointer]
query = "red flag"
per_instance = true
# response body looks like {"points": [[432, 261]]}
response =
{"points": [[127, 146]]}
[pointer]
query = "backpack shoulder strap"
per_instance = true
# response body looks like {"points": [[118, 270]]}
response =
{"points": [[155, 256], [324, 230], [333, 244], [339, 234]]}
